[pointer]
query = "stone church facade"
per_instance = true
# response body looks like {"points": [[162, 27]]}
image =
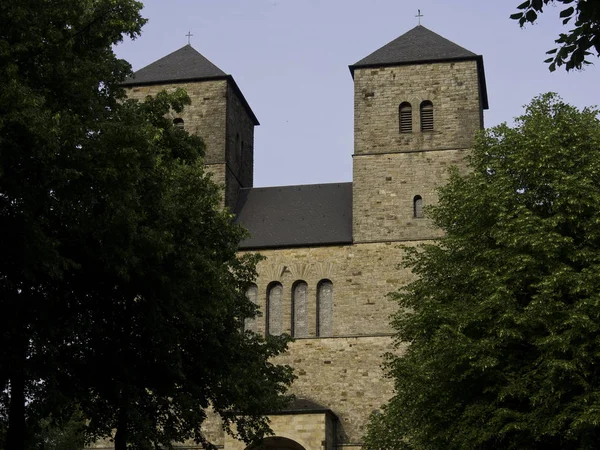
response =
{"points": [[332, 250]]}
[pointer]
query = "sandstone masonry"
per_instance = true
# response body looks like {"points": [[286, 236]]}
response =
{"points": [[396, 171]]}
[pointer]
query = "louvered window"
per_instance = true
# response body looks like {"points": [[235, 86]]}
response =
{"points": [[405, 117], [426, 116]]}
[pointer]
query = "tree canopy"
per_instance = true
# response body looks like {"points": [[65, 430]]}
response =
{"points": [[121, 293], [503, 318], [576, 45]]}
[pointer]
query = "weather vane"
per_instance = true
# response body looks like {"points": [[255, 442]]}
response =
{"points": [[419, 15], [189, 35]]}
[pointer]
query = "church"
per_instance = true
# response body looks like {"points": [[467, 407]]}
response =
{"points": [[333, 250]]}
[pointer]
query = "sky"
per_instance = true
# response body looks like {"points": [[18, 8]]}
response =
{"points": [[290, 59]]}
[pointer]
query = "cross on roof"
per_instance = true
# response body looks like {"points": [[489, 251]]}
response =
{"points": [[419, 15], [189, 35]]}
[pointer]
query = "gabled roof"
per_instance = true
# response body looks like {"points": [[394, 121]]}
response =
{"points": [[415, 46], [288, 216], [181, 65]]}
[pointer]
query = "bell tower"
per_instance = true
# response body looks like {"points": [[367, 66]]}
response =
{"points": [[418, 104], [219, 113]]}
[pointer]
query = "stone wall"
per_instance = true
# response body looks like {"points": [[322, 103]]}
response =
{"points": [[205, 117], [362, 276], [392, 168], [345, 375], [240, 140], [308, 430], [342, 372], [218, 115], [452, 87], [384, 189]]}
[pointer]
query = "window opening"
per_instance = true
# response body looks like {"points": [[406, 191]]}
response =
{"points": [[325, 308], [178, 122], [300, 309], [405, 117], [274, 309], [426, 116], [418, 207], [252, 295]]}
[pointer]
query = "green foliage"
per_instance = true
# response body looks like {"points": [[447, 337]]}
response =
{"points": [[49, 434], [69, 435], [575, 45], [120, 288], [503, 319]]}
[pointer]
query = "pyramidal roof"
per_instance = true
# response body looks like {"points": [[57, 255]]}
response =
{"points": [[181, 65], [185, 64], [416, 46]]}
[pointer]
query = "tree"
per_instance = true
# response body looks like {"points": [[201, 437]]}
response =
{"points": [[56, 78], [69, 435], [503, 318], [120, 287], [574, 46], [47, 434]]}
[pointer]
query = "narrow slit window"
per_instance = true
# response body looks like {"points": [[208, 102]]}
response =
{"points": [[426, 116], [300, 309], [325, 308], [274, 309], [405, 117], [418, 207], [178, 122]]}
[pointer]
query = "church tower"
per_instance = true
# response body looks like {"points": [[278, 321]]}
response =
{"points": [[219, 113], [418, 103]]}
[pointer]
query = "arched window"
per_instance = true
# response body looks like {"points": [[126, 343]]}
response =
{"points": [[417, 207], [252, 295], [405, 117], [325, 308], [300, 309], [178, 122], [426, 116], [274, 309]]}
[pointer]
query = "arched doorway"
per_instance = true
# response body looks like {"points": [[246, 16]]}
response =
{"points": [[276, 443]]}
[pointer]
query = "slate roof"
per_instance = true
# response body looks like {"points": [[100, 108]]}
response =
{"points": [[185, 64], [417, 45], [181, 65], [288, 216], [421, 45]]}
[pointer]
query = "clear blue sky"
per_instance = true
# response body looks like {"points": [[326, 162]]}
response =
{"points": [[290, 58]]}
